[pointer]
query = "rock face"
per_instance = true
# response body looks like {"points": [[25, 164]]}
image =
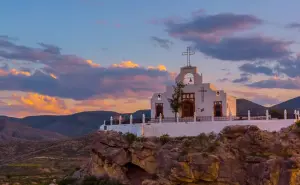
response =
{"points": [[239, 155]]}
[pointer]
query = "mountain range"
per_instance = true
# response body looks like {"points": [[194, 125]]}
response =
{"points": [[47, 127]]}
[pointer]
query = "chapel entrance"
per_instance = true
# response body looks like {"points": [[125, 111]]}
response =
{"points": [[159, 109], [218, 109], [188, 104]]}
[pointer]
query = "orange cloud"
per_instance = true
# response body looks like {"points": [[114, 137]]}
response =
{"points": [[14, 72], [43, 104], [92, 64], [159, 67], [126, 64], [53, 75]]}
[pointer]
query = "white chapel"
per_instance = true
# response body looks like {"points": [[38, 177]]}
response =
{"points": [[202, 99]]}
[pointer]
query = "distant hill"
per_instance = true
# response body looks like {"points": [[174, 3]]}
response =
{"points": [[86, 122], [15, 131], [289, 105], [72, 125], [243, 105]]}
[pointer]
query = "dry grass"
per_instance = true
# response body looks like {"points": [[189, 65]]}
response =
{"points": [[59, 160]]}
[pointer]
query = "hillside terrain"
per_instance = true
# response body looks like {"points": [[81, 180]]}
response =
{"points": [[239, 155], [11, 131], [243, 105], [39, 162], [72, 125]]}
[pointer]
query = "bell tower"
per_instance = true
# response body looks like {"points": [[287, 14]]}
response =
{"points": [[189, 74]]}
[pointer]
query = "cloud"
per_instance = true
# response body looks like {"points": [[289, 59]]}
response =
{"points": [[277, 83], [223, 80], [245, 77], [218, 36], [256, 69], [243, 48], [71, 76], [198, 12], [289, 66], [41, 103], [212, 26], [294, 25], [21, 104], [163, 43]]}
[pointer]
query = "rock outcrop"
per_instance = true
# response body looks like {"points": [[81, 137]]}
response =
{"points": [[239, 155]]}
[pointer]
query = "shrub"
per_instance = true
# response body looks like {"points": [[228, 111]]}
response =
{"points": [[92, 180], [164, 138], [297, 123], [67, 181], [130, 137]]}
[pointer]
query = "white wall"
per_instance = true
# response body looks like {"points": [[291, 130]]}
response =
{"points": [[194, 129]]}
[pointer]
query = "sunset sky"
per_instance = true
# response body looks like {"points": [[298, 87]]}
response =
{"points": [[67, 56]]}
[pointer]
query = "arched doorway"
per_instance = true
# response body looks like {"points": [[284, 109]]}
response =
{"points": [[159, 109], [218, 109], [188, 109], [188, 105]]}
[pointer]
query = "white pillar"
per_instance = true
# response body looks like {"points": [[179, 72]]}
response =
{"points": [[267, 114], [195, 117], [111, 120], [212, 116], [230, 116], [160, 117], [143, 118], [285, 114], [295, 113], [120, 119], [104, 122], [142, 130], [177, 117], [298, 114], [130, 119], [249, 115]]}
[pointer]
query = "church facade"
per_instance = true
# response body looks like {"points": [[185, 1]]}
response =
{"points": [[202, 99]]}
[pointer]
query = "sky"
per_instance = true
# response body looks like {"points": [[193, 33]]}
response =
{"points": [[63, 57]]}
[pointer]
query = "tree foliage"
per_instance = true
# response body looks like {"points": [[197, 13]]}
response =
{"points": [[175, 101]]}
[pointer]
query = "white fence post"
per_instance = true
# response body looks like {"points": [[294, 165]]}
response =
{"points": [[249, 115], [120, 120], [130, 119], [142, 129], [177, 117], [285, 114], [143, 118], [212, 116], [267, 114], [298, 114], [295, 113], [160, 117], [195, 117], [111, 120]]}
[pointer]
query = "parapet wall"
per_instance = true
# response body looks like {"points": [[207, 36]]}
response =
{"points": [[174, 129]]}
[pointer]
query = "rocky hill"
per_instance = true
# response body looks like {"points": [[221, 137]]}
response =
{"points": [[10, 131], [239, 155]]}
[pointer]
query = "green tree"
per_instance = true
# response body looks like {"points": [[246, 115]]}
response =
{"points": [[176, 101]]}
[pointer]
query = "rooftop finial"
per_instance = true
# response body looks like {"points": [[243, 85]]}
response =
{"points": [[188, 53]]}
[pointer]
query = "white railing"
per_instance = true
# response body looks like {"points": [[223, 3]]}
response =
{"points": [[195, 125]]}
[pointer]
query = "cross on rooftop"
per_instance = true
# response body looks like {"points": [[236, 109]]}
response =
{"points": [[188, 53]]}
